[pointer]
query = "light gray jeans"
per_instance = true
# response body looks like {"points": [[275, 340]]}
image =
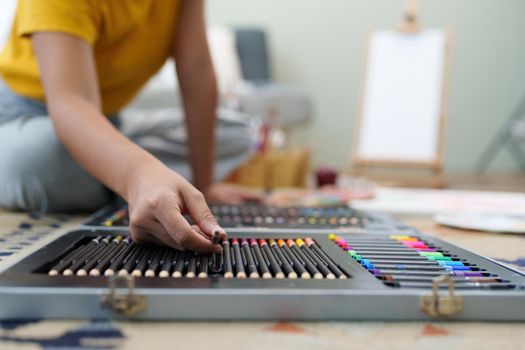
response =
{"points": [[36, 171]]}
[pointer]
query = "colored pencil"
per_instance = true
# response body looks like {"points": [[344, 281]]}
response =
{"points": [[285, 264], [304, 260], [120, 259], [227, 262], [169, 261], [239, 267], [297, 265], [252, 267], [180, 264], [259, 260], [314, 259], [274, 266]]}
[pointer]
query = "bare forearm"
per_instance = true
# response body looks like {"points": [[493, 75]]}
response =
{"points": [[96, 144], [199, 95]]}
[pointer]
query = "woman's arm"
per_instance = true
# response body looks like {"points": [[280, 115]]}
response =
{"points": [[198, 88], [199, 95], [156, 195]]}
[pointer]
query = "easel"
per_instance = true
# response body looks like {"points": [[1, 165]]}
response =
{"points": [[410, 22], [409, 173], [511, 135]]}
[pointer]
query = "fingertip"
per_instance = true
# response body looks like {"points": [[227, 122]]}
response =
{"points": [[221, 232], [200, 244]]}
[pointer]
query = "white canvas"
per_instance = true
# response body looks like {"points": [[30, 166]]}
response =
{"points": [[402, 97]]}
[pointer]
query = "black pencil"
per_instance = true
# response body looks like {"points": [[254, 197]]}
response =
{"points": [[156, 261], [180, 264], [227, 262], [314, 259], [304, 260], [119, 260], [90, 260], [110, 257], [66, 261], [259, 260], [85, 258], [285, 264], [143, 262], [250, 262], [203, 266], [216, 260], [297, 265], [327, 260], [81, 251], [97, 258], [239, 267], [191, 270], [169, 260], [132, 261], [274, 266], [216, 257]]}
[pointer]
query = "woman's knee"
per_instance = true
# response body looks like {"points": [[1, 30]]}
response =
{"points": [[37, 173]]}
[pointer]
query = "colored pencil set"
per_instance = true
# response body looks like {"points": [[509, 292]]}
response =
{"points": [[409, 262], [268, 216], [262, 215], [108, 255], [118, 218]]}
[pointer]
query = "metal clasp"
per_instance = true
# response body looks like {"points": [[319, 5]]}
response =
{"points": [[436, 305], [128, 303]]}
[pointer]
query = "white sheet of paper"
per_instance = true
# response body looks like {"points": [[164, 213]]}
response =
{"points": [[430, 202], [402, 96]]}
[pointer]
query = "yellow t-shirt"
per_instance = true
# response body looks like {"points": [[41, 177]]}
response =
{"points": [[131, 40]]}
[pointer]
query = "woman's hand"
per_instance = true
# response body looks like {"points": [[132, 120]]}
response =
{"points": [[233, 194], [158, 197]]}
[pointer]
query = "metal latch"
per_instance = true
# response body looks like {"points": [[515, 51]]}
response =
{"points": [[436, 305], [128, 303]]}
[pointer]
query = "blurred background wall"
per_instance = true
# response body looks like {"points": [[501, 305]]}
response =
{"points": [[319, 46]]}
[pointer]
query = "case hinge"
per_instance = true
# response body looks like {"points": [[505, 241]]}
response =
{"points": [[128, 303], [436, 305]]}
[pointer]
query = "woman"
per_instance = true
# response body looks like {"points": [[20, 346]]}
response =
{"points": [[80, 62]]}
